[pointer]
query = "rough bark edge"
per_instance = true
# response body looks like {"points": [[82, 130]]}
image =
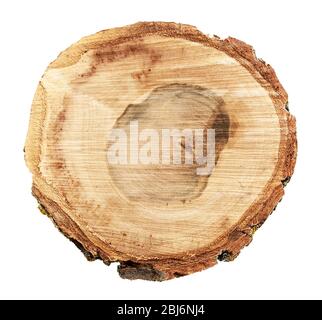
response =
{"points": [[229, 246]]}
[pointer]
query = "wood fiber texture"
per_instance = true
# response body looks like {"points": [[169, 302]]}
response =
{"points": [[159, 221]]}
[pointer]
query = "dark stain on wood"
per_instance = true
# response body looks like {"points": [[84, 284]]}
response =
{"points": [[178, 106]]}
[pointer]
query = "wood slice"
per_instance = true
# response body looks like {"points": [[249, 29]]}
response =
{"points": [[159, 217]]}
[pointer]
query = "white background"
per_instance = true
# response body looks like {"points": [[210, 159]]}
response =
{"points": [[284, 259]]}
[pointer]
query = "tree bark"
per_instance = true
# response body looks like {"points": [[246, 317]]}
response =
{"points": [[159, 219]]}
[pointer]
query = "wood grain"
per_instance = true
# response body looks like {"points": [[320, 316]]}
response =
{"points": [[158, 220]]}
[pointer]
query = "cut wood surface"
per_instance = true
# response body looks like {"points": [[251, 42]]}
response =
{"points": [[159, 219]]}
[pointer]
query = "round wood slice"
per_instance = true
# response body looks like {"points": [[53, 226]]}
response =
{"points": [[159, 219]]}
